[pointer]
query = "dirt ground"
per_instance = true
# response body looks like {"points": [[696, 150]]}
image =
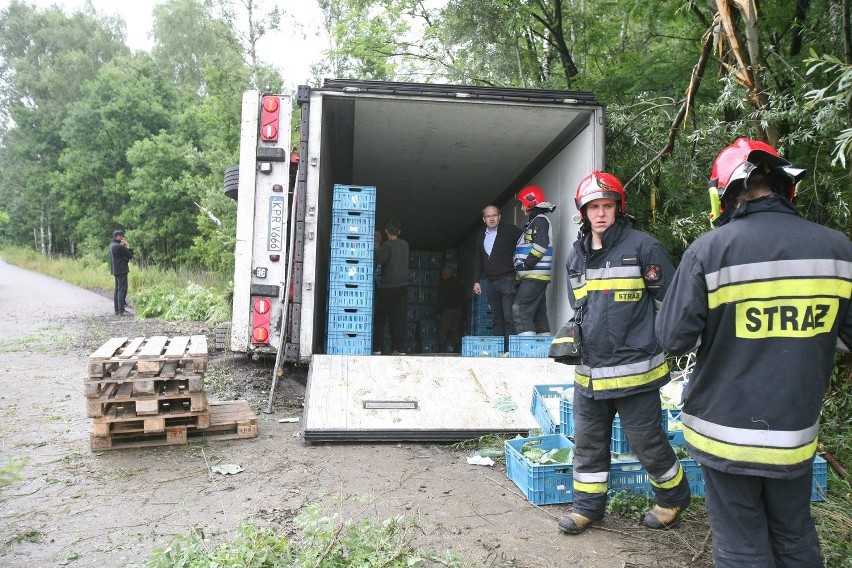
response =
{"points": [[74, 507]]}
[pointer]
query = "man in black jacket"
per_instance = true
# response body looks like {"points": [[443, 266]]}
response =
{"points": [[493, 260], [120, 254]]}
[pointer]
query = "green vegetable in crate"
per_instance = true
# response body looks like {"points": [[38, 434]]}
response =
{"points": [[532, 454], [537, 456]]}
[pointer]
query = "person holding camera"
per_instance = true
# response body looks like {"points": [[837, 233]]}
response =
{"points": [[120, 254]]}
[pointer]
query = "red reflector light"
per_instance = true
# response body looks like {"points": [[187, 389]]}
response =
{"points": [[260, 335], [274, 257], [260, 320], [269, 119], [262, 305]]}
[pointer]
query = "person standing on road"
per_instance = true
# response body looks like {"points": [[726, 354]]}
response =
{"points": [[391, 303], [617, 276], [533, 264], [766, 299], [120, 254], [492, 260], [450, 307]]}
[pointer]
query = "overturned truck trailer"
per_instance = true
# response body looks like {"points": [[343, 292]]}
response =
{"points": [[437, 154]]}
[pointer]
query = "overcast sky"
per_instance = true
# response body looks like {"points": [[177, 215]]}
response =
{"points": [[299, 52]]}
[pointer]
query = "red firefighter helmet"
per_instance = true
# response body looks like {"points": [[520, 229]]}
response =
{"points": [[600, 185], [735, 163], [530, 197]]}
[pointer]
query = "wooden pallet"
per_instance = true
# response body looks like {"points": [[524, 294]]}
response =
{"points": [[98, 387], [228, 420], [146, 358], [119, 399], [123, 419]]}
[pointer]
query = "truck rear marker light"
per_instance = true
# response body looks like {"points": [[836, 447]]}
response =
{"points": [[261, 306], [260, 320], [269, 119], [278, 187], [274, 257]]}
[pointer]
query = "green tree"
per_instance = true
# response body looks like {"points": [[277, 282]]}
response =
{"points": [[46, 58]]}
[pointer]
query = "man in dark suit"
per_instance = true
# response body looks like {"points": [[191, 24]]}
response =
{"points": [[119, 255], [493, 260]]}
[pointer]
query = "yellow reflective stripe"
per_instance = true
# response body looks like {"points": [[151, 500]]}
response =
{"points": [[670, 484], [750, 454], [794, 287], [566, 339], [535, 276], [616, 284], [627, 381], [580, 292], [537, 253], [581, 379], [591, 487]]}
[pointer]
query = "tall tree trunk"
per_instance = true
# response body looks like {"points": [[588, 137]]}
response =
{"points": [[41, 238]]}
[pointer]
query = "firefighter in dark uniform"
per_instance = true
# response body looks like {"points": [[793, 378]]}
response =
{"points": [[617, 276], [533, 264], [766, 299]]}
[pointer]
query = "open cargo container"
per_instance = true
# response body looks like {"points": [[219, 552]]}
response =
{"points": [[437, 154]]}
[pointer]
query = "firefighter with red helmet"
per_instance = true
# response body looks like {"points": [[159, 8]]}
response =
{"points": [[617, 276], [533, 264], [765, 298]]}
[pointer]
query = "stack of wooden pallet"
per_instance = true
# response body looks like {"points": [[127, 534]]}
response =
{"points": [[150, 392]]}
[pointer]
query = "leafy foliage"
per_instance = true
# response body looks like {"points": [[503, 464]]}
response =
{"points": [[326, 542]]}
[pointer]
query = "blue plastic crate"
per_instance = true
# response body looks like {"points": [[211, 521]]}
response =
{"points": [[361, 223], [482, 346], [352, 295], [631, 476], [354, 320], [530, 346], [820, 488], [618, 442], [350, 271], [348, 343], [541, 484], [345, 247], [539, 409], [354, 198], [674, 427]]}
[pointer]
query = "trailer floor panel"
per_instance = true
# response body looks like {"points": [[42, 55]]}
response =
{"points": [[422, 398]]}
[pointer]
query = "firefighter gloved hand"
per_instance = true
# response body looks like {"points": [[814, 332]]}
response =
{"points": [[519, 265]]}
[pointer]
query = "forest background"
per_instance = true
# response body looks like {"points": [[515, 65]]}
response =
{"points": [[94, 136]]}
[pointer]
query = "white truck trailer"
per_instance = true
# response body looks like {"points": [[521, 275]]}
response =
{"points": [[437, 154]]}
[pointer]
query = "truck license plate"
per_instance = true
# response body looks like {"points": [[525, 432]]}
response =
{"points": [[276, 224]]}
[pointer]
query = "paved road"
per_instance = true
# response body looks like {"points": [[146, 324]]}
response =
{"points": [[31, 301]]}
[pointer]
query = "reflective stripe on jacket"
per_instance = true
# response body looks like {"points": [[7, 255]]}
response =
{"points": [[614, 292], [536, 242], [768, 297]]}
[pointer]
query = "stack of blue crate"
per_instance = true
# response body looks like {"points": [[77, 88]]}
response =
{"points": [[424, 274], [350, 281], [480, 312]]}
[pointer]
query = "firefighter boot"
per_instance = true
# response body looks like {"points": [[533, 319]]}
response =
{"points": [[574, 523], [662, 517]]}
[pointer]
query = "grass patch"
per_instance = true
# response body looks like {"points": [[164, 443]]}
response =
{"points": [[11, 472], [324, 541]]}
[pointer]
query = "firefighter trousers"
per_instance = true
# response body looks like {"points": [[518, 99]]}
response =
{"points": [[641, 420], [760, 521], [529, 310]]}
